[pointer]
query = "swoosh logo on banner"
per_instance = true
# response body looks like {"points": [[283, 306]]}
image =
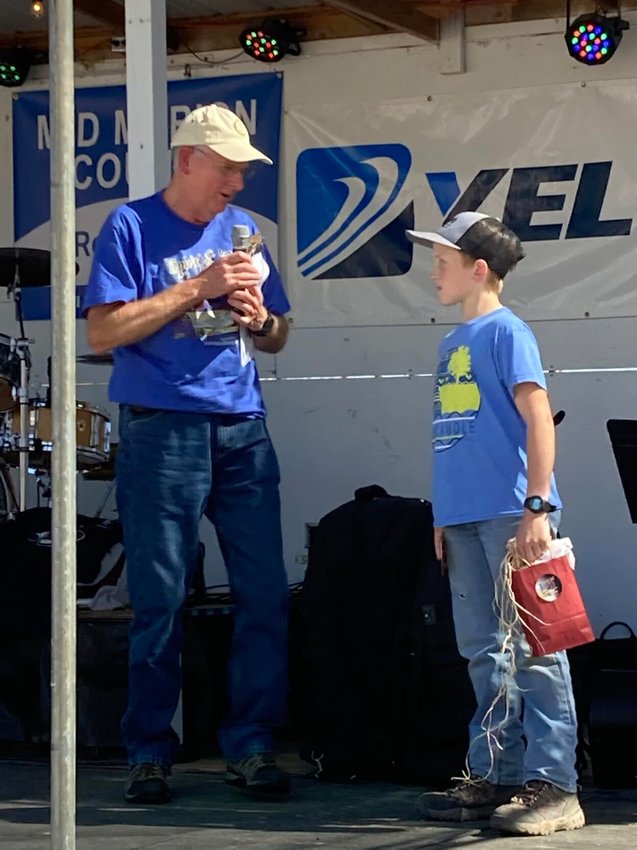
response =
{"points": [[336, 243]]}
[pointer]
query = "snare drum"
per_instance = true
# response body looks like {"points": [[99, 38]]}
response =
{"points": [[92, 429], [9, 371]]}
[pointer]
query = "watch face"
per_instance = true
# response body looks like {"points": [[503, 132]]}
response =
{"points": [[534, 504]]}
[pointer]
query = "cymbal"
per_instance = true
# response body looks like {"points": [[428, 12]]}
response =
{"points": [[96, 359], [33, 266]]}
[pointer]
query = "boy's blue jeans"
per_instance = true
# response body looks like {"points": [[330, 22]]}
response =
{"points": [[171, 469], [539, 739]]}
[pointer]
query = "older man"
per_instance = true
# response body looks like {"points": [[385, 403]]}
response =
{"points": [[181, 311]]}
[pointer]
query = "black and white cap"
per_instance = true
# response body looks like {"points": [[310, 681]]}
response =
{"points": [[481, 236]]}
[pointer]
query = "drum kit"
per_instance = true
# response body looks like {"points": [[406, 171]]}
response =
{"points": [[26, 428]]}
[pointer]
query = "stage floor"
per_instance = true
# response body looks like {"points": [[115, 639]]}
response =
{"points": [[206, 813]]}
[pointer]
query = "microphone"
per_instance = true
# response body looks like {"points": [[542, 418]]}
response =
{"points": [[240, 237], [240, 242]]}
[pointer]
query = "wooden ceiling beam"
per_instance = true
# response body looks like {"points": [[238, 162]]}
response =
{"points": [[319, 22], [220, 32], [104, 11], [204, 35], [395, 16], [486, 8]]}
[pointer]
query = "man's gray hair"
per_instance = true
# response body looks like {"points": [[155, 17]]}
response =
{"points": [[174, 155]]}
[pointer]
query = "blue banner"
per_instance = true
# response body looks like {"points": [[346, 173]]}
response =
{"points": [[101, 158]]}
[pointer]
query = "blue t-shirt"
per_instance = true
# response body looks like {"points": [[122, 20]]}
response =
{"points": [[479, 437], [193, 363]]}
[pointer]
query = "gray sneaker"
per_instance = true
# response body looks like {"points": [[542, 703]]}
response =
{"points": [[259, 775], [539, 809], [469, 799], [147, 784]]}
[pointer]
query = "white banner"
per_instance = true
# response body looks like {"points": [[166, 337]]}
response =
{"points": [[556, 163]]}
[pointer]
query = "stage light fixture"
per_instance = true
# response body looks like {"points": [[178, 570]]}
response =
{"points": [[271, 40], [593, 39], [14, 66], [37, 8]]}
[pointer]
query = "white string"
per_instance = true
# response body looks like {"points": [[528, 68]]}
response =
{"points": [[512, 618]]}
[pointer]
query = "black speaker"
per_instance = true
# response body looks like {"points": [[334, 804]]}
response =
{"points": [[207, 642], [623, 437], [612, 729], [102, 678]]}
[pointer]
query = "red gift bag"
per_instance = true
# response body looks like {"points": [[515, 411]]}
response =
{"points": [[549, 605]]}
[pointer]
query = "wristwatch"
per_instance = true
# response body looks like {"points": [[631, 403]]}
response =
{"points": [[267, 326], [538, 505]]}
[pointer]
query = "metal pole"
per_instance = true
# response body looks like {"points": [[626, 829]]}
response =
{"points": [[23, 441], [63, 702]]}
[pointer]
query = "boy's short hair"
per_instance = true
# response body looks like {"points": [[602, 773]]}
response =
{"points": [[478, 235]]}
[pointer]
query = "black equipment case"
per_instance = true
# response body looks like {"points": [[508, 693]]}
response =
{"points": [[383, 692]]}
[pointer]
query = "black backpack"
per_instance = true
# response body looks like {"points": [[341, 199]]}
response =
{"points": [[383, 690]]}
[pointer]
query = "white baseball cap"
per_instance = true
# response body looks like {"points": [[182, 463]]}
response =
{"points": [[219, 129]]}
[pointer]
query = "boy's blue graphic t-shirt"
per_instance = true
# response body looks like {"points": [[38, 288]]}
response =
{"points": [[193, 363], [479, 437]]}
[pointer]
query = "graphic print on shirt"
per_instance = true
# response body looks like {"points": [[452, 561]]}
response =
{"points": [[211, 321], [456, 399]]}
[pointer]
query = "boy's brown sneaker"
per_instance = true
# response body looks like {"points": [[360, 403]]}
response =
{"points": [[469, 799], [539, 809]]}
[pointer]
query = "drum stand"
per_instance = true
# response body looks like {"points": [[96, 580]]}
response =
{"points": [[22, 350], [43, 487], [11, 506], [109, 490]]}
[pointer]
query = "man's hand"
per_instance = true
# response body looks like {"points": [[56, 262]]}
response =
{"points": [[533, 536], [248, 308], [439, 547], [226, 275], [119, 323]]}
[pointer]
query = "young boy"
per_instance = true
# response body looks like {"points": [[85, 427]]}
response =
{"points": [[494, 449]]}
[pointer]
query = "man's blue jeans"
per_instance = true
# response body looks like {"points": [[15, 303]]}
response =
{"points": [[541, 705], [171, 469]]}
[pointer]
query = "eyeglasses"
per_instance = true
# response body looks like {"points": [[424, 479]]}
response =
{"points": [[228, 169]]}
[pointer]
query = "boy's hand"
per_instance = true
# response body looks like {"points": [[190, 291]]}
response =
{"points": [[533, 536], [439, 547]]}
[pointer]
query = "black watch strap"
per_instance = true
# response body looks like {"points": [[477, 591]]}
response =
{"points": [[267, 326], [538, 505]]}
